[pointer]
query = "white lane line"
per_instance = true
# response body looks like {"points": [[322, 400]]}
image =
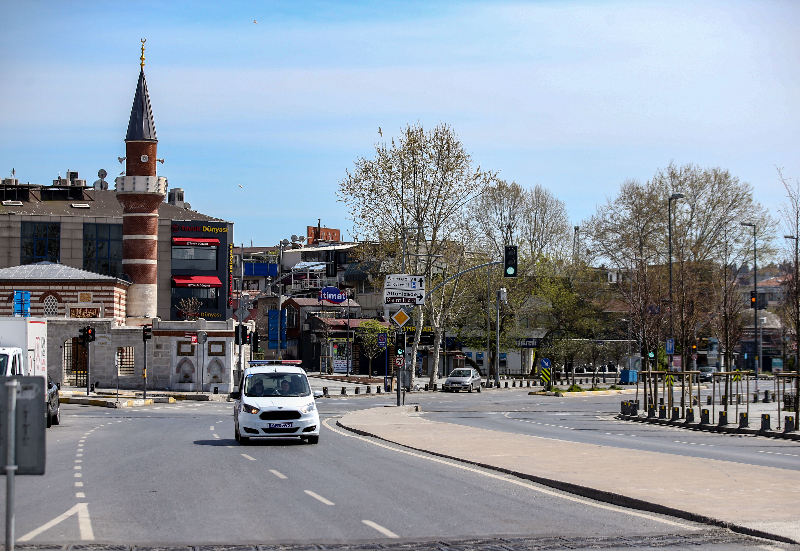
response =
{"points": [[279, 475], [779, 453], [80, 494], [385, 531], [78, 475], [319, 498], [77, 467], [231, 447], [84, 523], [512, 481], [216, 435], [79, 484], [248, 457], [212, 427]]}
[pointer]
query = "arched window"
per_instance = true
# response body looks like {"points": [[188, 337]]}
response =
{"points": [[50, 307]]}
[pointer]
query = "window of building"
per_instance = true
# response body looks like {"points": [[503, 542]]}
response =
{"points": [[208, 297], [292, 318], [50, 307], [102, 249], [194, 258], [41, 241], [124, 360]]}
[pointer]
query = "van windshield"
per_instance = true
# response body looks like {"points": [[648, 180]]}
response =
{"points": [[3, 364], [276, 384]]}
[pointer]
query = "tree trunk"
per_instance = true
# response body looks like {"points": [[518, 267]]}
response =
{"points": [[415, 346], [437, 336]]}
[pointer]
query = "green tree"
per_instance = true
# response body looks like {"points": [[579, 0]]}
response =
{"points": [[367, 333]]}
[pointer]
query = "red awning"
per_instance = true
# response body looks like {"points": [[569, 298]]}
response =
{"points": [[196, 281], [195, 241]]}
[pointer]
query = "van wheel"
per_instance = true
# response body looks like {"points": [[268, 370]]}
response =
{"points": [[313, 439], [49, 418], [470, 388], [479, 389], [57, 416]]}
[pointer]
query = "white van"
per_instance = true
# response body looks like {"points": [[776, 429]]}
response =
{"points": [[274, 400]]}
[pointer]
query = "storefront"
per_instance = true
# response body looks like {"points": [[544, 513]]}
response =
{"points": [[201, 270]]}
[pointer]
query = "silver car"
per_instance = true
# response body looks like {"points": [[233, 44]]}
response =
{"points": [[463, 378]]}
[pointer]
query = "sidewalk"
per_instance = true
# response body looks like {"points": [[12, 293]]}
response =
{"points": [[751, 499]]}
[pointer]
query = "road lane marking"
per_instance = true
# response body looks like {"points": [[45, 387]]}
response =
{"points": [[385, 531], [320, 498], [248, 457], [779, 453], [84, 523], [79, 484], [80, 495], [77, 467], [528, 485], [216, 435], [212, 427], [78, 475], [279, 475]]}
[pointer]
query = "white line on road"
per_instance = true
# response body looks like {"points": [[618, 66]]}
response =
{"points": [[319, 497], [248, 457], [211, 427], [385, 531], [779, 453], [84, 523], [516, 482], [80, 495], [215, 435], [79, 484], [279, 475]]}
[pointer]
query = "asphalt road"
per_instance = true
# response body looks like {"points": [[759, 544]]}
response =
{"points": [[173, 475]]}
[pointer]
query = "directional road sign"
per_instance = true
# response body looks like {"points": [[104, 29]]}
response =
{"points": [[405, 282], [670, 379], [545, 363], [399, 296], [670, 346]]}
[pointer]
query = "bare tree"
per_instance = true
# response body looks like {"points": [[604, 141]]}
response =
{"points": [[189, 307], [545, 227]]}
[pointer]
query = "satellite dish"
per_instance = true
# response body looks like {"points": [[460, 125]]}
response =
{"points": [[294, 238], [102, 173]]}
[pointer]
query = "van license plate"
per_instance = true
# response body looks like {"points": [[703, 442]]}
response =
{"points": [[280, 425]]}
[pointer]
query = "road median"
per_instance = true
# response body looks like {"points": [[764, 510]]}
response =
{"points": [[754, 500]]}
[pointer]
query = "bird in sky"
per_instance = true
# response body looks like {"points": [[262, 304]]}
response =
{"points": [[254, 21], [380, 131], [240, 185]]}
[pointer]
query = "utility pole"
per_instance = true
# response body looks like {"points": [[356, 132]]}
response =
{"points": [[756, 349], [488, 323]]}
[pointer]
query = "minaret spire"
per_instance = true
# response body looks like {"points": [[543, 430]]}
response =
{"points": [[142, 58]]}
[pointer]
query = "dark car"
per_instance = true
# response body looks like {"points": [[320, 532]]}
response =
{"points": [[53, 406]]}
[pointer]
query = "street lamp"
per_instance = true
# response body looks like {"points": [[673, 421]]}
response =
{"points": [[673, 197], [796, 326], [755, 293]]}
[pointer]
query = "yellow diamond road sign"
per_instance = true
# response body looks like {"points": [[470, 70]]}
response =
{"points": [[401, 318]]}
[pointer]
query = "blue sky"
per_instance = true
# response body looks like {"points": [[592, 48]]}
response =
{"points": [[576, 96]]}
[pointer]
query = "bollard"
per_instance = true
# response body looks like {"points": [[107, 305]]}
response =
{"points": [[766, 424], [378, 389], [529, 383], [623, 408], [739, 399], [766, 397], [789, 424], [755, 397], [662, 412], [357, 389], [216, 390], [344, 391], [723, 418], [676, 413], [369, 389], [426, 387], [661, 401], [325, 391], [705, 418], [708, 400], [722, 400], [743, 422], [634, 409], [435, 386], [506, 384], [651, 410], [689, 415]]}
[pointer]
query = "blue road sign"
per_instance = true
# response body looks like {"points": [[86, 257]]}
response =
{"points": [[670, 346], [381, 340], [546, 363]]}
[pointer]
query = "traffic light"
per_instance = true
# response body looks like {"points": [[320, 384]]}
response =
{"points": [[510, 261], [694, 348], [752, 299], [90, 333], [237, 335], [147, 332], [82, 335], [400, 344]]}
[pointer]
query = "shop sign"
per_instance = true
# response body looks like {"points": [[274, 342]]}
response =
{"points": [[332, 295], [201, 229], [230, 275], [340, 366]]}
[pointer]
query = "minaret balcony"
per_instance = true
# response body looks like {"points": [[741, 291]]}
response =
{"points": [[141, 184]]}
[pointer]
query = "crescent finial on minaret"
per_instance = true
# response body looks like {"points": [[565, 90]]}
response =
{"points": [[142, 58]]}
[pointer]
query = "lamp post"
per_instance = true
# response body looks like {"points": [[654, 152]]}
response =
{"points": [[796, 325], [673, 197], [755, 291]]}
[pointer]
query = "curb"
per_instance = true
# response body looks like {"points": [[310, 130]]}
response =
{"points": [[113, 403], [597, 495], [724, 429]]}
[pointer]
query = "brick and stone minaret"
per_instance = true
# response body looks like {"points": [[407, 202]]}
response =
{"points": [[140, 192]]}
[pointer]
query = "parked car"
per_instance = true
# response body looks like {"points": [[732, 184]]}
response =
{"points": [[706, 374], [53, 405], [464, 378]]}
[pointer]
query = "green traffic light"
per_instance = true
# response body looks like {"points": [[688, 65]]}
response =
{"points": [[510, 270]]}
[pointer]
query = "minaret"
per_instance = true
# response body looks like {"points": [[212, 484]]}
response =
{"points": [[140, 192]]}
